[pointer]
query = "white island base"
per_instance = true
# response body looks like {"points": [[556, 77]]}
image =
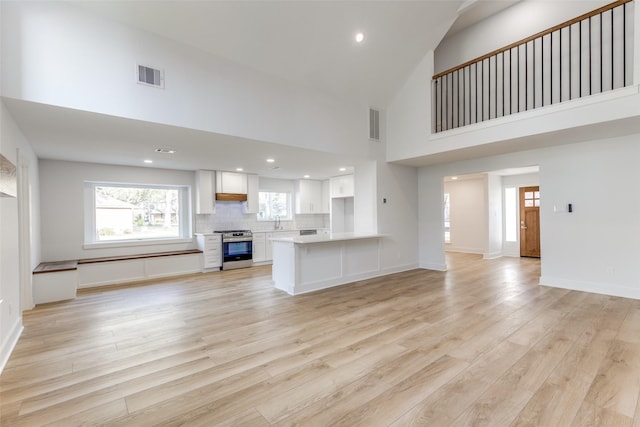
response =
{"points": [[309, 263]]}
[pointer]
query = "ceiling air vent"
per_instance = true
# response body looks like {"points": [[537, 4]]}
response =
{"points": [[150, 76], [374, 124]]}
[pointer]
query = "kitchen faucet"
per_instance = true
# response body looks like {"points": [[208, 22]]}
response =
{"points": [[276, 223]]}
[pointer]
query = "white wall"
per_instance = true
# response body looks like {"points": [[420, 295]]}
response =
{"points": [[365, 190], [593, 249], [409, 114], [494, 216], [90, 64], [13, 141], [398, 217], [468, 215], [62, 205], [519, 21]]}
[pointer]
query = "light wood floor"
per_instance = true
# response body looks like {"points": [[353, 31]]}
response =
{"points": [[480, 345]]}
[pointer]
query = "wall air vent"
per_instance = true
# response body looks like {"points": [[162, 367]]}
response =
{"points": [[374, 124], [150, 76]]}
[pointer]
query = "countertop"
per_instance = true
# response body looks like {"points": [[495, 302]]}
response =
{"points": [[323, 238], [209, 233]]}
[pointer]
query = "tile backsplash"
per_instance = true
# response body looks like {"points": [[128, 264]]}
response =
{"points": [[229, 216]]}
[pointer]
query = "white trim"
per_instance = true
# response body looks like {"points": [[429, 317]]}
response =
{"points": [[433, 266], [10, 343], [594, 287], [464, 250], [547, 110], [636, 45], [90, 234], [24, 233], [141, 242], [492, 255], [345, 280]]}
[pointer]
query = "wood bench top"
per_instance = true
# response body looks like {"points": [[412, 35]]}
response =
{"points": [[50, 267]]}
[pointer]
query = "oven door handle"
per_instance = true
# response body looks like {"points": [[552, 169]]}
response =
{"points": [[237, 239]]}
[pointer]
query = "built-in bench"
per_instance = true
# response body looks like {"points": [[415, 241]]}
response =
{"points": [[59, 280], [53, 267], [138, 256]]}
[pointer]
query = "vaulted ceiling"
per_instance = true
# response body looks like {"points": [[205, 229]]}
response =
{"points": [[310, 43]]}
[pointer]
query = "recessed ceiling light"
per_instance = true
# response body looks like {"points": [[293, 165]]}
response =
{"points": [[307, 176], [359, 37], [165, 150], [342, 169], [239, 169], [454, 178], [148, 161], [270, 160]]}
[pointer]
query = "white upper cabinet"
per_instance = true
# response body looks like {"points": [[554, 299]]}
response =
{"points": [[342, 186], [251, 205], [309, 197], [326, 198], [205, 192], [231, 182]]}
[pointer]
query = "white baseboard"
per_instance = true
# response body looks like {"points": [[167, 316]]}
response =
{"points": [[10, 343], [432, 266], [339, 281], [464, 250], [398, 268], [593, 287], [492, 255]]}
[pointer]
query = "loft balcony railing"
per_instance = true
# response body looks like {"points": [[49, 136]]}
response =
{"points": [[587, 55]]}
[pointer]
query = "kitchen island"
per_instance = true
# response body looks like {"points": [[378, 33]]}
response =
{"points": [[308, 263]]}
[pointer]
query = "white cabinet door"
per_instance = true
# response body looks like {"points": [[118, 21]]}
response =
{"points": [[326, 199], [268, 253], [342, 186], [269, 244], [259, 247], [251, 205], [205, 192], [308, 196], [211, 247], [231, 182]]}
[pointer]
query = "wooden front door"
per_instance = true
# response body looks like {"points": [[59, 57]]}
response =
{"points": [[530, 221]]}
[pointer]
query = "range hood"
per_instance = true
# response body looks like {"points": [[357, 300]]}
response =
{"points": [[231, 197]]}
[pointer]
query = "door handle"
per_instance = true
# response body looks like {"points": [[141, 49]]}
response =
{"points": [[522, 227]]}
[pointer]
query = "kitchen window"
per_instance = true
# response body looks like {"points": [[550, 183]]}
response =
{"points": [[123, 214], [274, 206]]}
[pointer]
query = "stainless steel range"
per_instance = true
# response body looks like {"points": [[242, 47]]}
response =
{"points": [[237, 249]]}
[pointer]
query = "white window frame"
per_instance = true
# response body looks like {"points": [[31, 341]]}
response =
{"points": [[91, 240], [289, 206]]}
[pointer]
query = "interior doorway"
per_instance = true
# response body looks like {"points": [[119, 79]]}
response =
{"points": [[482, 213], [530, 222]]}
